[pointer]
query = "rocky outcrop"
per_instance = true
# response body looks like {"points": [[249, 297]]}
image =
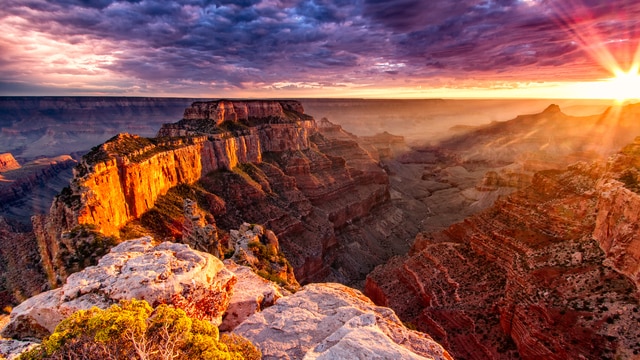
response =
{"points": [[338, 323], [552, 266], [617, 219], [143, 169], [323, 195], [12, 349], [7, 162], [259, 249], [251, 294], [199, 231], [167, 273], [245, 110]]}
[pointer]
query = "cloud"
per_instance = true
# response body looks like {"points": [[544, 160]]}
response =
{"points": [[224, 44]]}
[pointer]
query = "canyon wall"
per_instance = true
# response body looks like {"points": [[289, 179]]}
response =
{"points": [[121, 179], [548, 272], [7, 162], [323, 195]]}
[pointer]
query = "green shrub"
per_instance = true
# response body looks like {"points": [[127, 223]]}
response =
{"points": [[134, 330]]}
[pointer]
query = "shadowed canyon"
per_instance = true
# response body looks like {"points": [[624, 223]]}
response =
{"points": [[486, 236]]}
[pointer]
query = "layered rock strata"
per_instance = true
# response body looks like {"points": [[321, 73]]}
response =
{"points": [[22, 274], [121, 179], [167, 273], [331, 321], [29, 190], [262, 162], [553, 267], [7, 162]]}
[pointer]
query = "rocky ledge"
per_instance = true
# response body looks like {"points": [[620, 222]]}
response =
{"points": [[332, 321], [167, 273], [321, 321]]}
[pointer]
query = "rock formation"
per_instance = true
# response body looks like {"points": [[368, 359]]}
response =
{"points": [[147, 168], [262, 162], [553, 267], [22, 274], [243, 111], [198, 232], [7, 162], [167, 273], [30, 189], [331, 321], [251, 294]]}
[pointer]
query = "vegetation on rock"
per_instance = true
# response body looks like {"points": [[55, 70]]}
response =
{"points": [[134, 330], [83, 246]]}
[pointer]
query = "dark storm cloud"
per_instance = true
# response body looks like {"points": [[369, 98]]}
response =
{"points": [[266, 41]]}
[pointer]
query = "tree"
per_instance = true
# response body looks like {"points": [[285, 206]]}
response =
{"points": [[134, 330]]}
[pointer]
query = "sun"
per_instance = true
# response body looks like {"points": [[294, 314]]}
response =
{"points": [[624, 86]]}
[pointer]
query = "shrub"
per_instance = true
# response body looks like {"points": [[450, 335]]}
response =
{"points": [[134, 330]]}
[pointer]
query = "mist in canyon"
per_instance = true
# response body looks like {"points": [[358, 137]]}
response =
{"points": [[486, 224]]}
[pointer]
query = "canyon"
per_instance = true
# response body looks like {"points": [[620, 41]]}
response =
{"points": [[262, 162], [511, 239], [547, 272]]}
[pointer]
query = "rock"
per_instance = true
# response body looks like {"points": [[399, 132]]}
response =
{"points": [[166, 273], [318, 192], [12, 349], [235, 111], [251, 294], [546, 272], [272, 240], [29, 189], [252, 250], [199, 233], [332, 321], [7, 162], [21, 272]]}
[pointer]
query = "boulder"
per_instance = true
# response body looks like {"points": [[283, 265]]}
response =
{"points": [[251, 294], [12, 349], [332, 321], [136, 269]]}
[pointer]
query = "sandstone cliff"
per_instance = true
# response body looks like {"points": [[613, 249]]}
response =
{"points": [[143, 169], [554, 267], [7, 162], [261, 162]]}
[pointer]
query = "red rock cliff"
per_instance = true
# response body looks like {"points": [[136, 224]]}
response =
{"points": [[7, 162], [227, 110], [121, 179], [554, 267]]}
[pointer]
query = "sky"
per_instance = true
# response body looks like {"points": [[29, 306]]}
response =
{"points": [[319, 48]]}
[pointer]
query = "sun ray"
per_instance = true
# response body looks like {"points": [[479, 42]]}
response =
{"points": [[623, 84]]}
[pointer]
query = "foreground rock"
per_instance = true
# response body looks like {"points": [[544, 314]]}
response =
{"points": [[251, 294], [12, 349], [331, 321], [166, 273]]}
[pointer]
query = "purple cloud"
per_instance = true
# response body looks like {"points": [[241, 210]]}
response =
{"points": [[234, 43]]}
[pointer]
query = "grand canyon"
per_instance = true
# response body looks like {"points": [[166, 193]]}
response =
{"points": [[493, 240]]}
